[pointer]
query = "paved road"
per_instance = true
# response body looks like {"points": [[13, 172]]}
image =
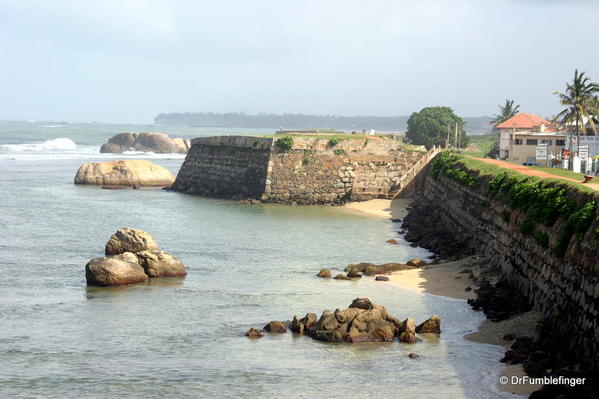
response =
{"points": [[525, 170]]}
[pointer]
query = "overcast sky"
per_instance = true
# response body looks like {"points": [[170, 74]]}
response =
{"points": [[128, 60]]}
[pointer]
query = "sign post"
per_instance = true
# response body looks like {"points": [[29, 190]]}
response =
{"points": [[541, 153]]}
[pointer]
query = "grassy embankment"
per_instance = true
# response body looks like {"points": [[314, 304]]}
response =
{"points": [[542, 200], [480, 145], [485, 168]]}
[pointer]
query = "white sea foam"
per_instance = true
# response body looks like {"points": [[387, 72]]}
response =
{"points": [[59, 144]]}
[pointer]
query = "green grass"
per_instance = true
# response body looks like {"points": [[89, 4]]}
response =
{"points": [[485, 168], [561, 172], [480, 145]]}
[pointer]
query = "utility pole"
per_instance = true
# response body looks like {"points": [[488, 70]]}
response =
{"points": [[448, 130], [456, 135]]}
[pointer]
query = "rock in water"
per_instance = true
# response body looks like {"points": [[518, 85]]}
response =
{"points": [[160, 264], [275, 327], [130, 240], [326, 273], [342, 277], [361, 303], [432, 325], [416, 262], [381, 278], [407, 331], [140, 173], [114, 270], [159, 143], [253, 333], [353, 274]]}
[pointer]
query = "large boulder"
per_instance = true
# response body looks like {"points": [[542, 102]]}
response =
{"points": [[114, 270], [160, 264], [131, 173], [407, 331], [130, 240], [159, 143]]}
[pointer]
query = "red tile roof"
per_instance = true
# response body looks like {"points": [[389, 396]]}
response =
{"points": [[523, 121]]}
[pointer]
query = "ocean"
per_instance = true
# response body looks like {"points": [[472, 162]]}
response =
{"points": [[184, 338]]}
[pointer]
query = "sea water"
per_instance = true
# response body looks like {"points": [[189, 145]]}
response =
{"points": [[183, 338]]}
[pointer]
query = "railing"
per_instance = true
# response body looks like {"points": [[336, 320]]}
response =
{"points": [[409, 176]]}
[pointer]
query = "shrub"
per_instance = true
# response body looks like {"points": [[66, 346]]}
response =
{"points": [[506, 216], [334, 141], [339, 152], [527, 226], [542, 238], [284, 143]]}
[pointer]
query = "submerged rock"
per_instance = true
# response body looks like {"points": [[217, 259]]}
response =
{"points": [[275, 327], [325, 273], [114, 270], [381, 278], [130, 240], [129, 173], [253, 333], [370, 269], [342, 277], [353, 274]]}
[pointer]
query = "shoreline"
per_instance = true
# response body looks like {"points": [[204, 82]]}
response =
{"points": [[381, 208], [457, 279]]}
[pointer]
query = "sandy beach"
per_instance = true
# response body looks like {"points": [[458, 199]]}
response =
{"points": [[452, 279], [382, 208]]}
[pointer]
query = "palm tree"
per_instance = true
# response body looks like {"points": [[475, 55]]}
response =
{"points": [[506, 112], [582, 106]]}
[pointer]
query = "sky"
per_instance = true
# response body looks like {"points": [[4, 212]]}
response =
{"points": [[128, 60]]}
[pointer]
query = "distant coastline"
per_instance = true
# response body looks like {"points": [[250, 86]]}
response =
{"points": [[474, 125]]}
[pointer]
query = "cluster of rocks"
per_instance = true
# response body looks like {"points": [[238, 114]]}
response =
{"points": [[121, 174], [370, 269], [362, 321], [133, 256], [158, 143]]}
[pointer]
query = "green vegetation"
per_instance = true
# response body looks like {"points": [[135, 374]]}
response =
{"points": [[339, 152], [582, 105], [561, 172], [284, 143], [432, 126], [543, 201], [334, 141], [481, 145], [506, 111]]}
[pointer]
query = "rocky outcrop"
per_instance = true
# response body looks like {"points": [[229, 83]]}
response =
{"points": [[158, 143], [130, 240], [133, 256], [114, 270], [370, 269], [362, 321], [129, 173]]}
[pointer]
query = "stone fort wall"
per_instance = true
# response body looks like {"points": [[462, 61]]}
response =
{"points": [[313, 171]]}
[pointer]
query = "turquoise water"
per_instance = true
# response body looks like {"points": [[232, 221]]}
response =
{"points": [[183, 338]]}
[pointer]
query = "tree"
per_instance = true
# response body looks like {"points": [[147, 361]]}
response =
{"points": [[432, 125], [581, 104], [580, 100], [506, 111]]}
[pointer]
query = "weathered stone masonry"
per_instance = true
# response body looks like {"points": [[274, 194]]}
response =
{"points": [[565, 288], [312, 172]]}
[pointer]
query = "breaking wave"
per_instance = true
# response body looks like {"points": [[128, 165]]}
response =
{"points": [[59, 144]]}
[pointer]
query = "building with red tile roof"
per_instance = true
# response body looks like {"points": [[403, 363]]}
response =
{"points": [[523, 121]]}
